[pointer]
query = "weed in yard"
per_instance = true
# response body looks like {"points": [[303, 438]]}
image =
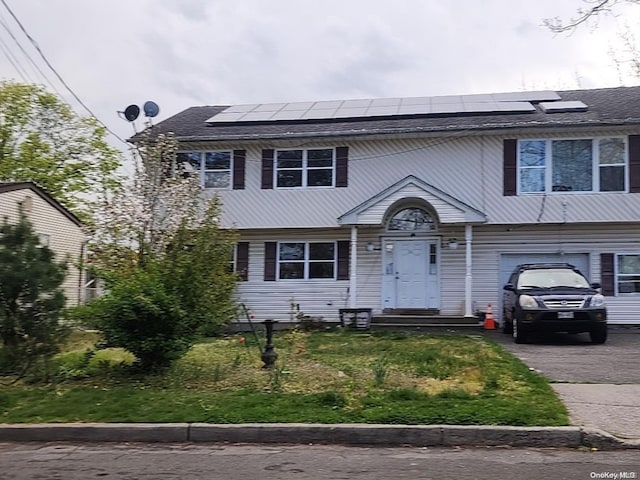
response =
{"points": [[218, 373], [330, 381], [455, 394], [276, 378], [380, 371], [406, 394], [296, 341], [237, 360], [331, 399]]}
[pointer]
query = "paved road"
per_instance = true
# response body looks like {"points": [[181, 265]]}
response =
{"points": [[242, 462], [599, 384]]}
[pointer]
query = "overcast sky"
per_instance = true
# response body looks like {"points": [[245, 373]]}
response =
{"points": [[181, 53]]}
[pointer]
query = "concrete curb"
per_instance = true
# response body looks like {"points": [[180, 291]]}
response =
{"points": [[339, 434]]}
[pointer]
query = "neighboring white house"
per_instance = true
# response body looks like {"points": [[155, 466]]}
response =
{"points": [[422, 203], [56, 226]]}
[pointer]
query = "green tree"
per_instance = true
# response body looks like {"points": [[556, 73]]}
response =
{"points": [[31, 299], [42, 140], [140, 315], [165, 259], [196, 270]]}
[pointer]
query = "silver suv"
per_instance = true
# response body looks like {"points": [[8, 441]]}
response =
{"points": [[552, 297]]}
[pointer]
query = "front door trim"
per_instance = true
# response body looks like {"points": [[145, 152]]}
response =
{"points": [[392, 295]]}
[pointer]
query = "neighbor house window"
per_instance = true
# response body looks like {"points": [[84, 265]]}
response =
{"points": [[44, 239], [306, 260], [580, 165], [628, 273], [212, 168], [305, 168]]}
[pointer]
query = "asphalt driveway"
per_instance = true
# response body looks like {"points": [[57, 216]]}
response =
{"points": [[599, 384], [573, 359]]}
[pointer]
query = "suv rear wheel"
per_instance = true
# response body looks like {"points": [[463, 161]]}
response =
{"points": [[519, 333]]}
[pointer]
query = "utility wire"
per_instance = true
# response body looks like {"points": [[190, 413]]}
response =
{"points": [[26, 54], [59, 77], [14, 61]]}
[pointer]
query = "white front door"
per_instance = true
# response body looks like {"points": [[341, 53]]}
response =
{"points": [[410, 277]]}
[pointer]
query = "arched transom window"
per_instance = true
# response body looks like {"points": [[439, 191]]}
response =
{"points": [[411, 219]]}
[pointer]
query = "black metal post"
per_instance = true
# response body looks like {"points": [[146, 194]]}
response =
{"points": [[269, 356]]}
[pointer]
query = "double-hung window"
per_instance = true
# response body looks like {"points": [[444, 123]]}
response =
{"points": [[572, 165], [306, 260], [305, 168], [212, 168], [628, 273]]}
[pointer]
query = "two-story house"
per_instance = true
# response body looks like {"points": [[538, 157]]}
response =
{"points": [[422, 203]]}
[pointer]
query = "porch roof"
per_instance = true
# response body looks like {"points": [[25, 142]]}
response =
{"points": [[410, 189]]}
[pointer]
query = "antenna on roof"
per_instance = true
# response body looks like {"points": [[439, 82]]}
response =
{"points": [[151, 109], [132, 112]]}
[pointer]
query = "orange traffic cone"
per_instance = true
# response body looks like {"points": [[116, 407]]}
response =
{"points": [[489, 322]]}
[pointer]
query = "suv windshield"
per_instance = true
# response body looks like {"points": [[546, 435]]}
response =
{"points": [[551, 277]]}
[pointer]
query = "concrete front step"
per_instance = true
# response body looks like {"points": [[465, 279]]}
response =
{"points": [[432, 328], [424, 322], [424, 319]]}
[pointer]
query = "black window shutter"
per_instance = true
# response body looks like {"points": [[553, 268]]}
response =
{"points": [[509, 169], [267, 168], [270, 251], [342, 166], [343, 260], [242, 260], [607, 274], [634, 163], [239, 160]]}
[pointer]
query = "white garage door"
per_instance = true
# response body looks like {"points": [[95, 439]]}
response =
{"points": [[509, 261]]}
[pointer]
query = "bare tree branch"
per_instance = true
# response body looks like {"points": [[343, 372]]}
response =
{"points": [[596, 8]]}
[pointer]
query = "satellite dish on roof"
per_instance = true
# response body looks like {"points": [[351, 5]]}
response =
{"points": [[151, 109], [131, 112]]}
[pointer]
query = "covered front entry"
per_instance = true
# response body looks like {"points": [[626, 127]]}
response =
{"points": [[411, 211], [410, 273]]}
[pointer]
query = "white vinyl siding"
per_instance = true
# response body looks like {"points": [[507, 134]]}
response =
{"points": [[266, 299], [324, 297], [66, 239], [375, 165]]}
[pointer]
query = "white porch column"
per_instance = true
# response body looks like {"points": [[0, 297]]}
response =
{"points": [[468, 292], [353, 268]]}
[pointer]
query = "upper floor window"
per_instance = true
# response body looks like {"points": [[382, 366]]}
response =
{"points": [[214, 168], [580, 165], [305, 168]]}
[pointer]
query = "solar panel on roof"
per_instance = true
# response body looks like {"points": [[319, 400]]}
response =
{"points": [[516, 102], [565, 106]]}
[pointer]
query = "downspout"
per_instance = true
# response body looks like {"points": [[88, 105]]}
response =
{"points": [[468, 294], [353, 268]]}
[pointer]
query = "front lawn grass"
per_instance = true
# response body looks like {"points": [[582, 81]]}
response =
{"points": [[320, 377]]}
